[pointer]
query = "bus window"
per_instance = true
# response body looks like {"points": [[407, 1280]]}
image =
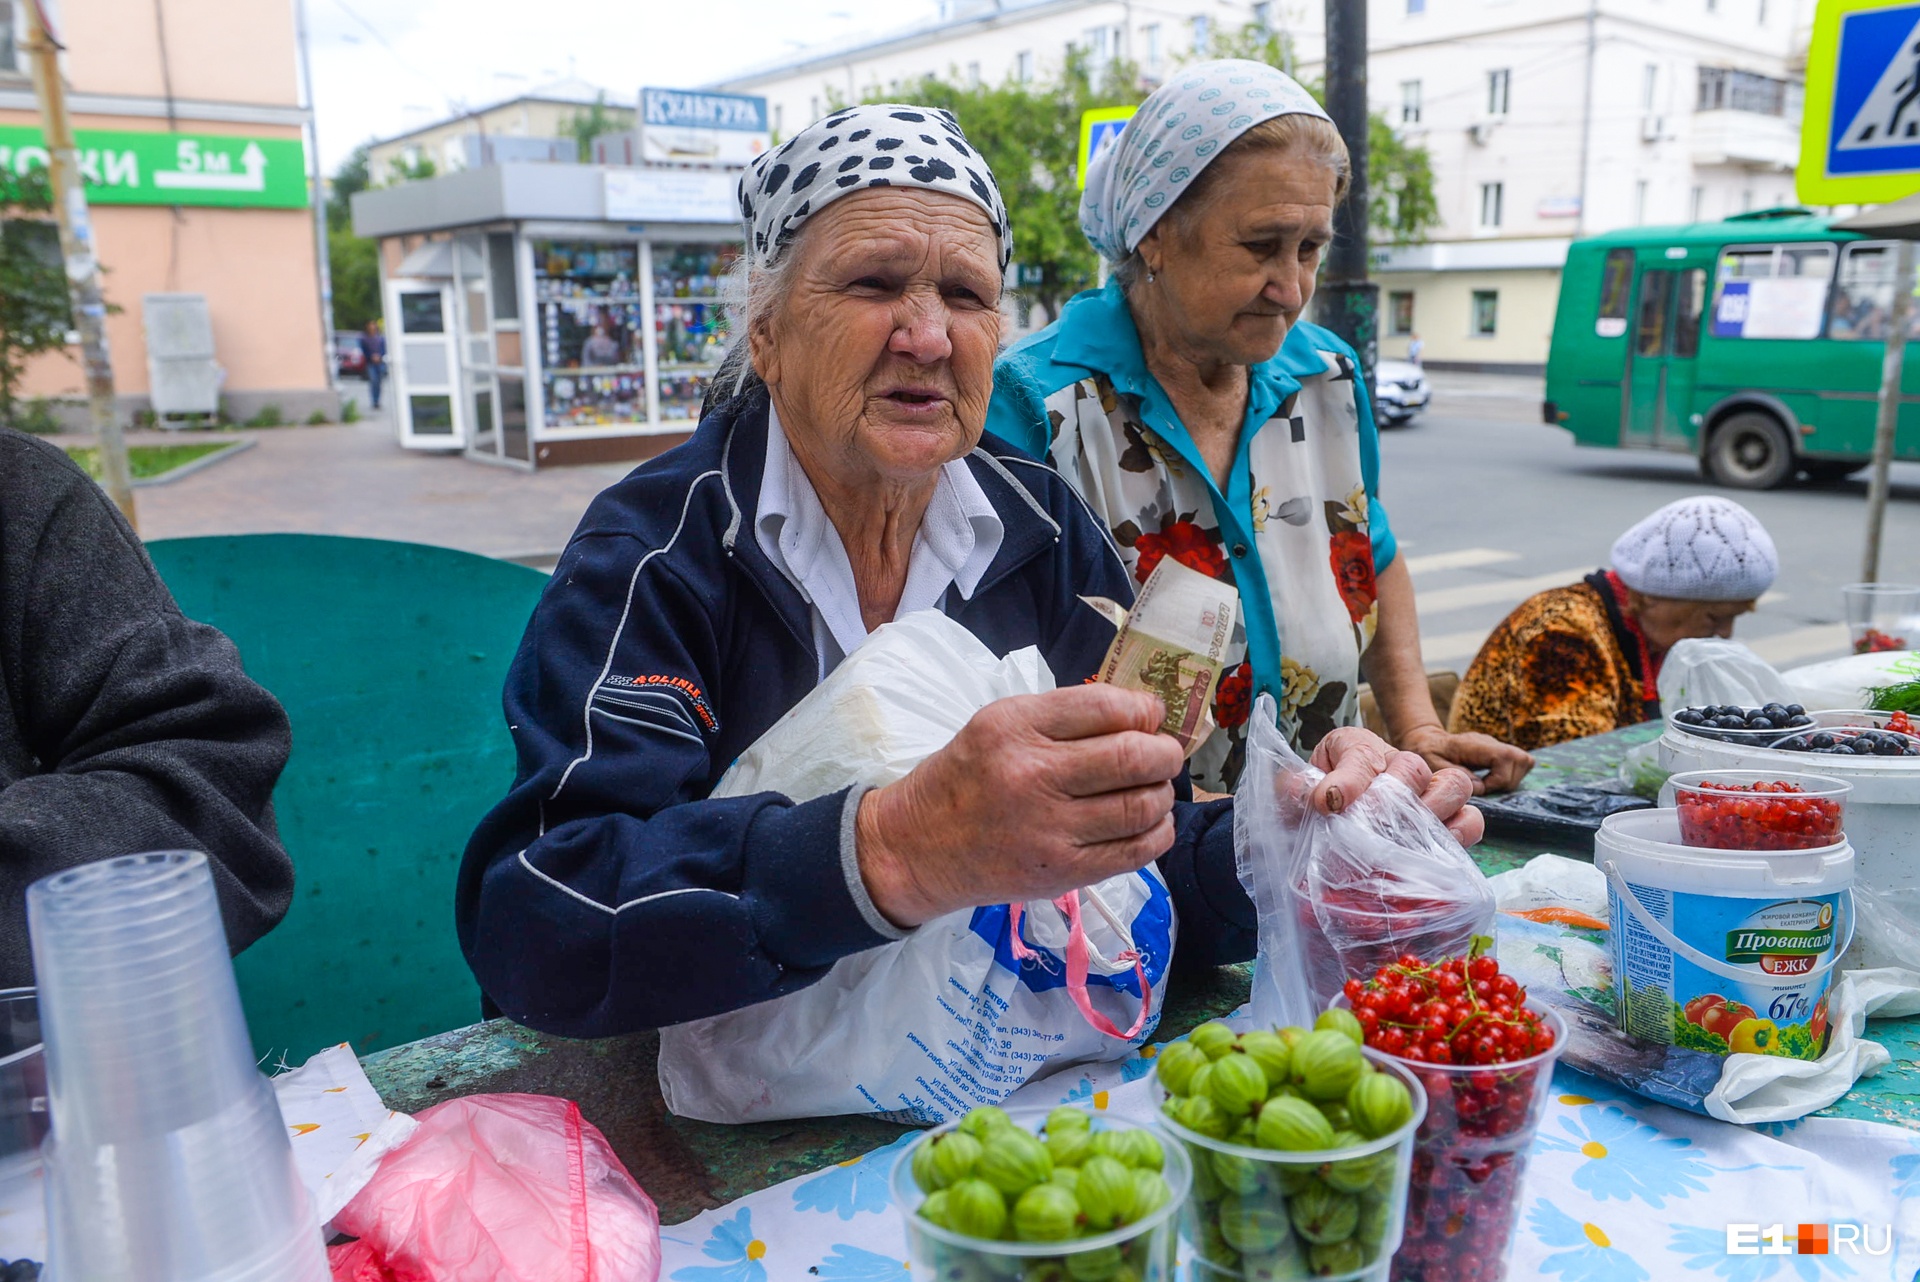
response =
{"points": [[1616, 278], [1773, 291], [1686, 320], [1863, 295], [1650, 330]]}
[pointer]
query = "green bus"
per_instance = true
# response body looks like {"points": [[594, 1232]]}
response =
{"points": [[1754, 344]]}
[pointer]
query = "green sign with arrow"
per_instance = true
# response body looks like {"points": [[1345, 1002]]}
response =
{"points": [[123, 167]]}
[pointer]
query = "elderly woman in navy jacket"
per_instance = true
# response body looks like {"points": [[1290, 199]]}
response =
{"points": [[844, 482]]}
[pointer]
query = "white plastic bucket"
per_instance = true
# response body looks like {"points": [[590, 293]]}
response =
{"points": [[1723, 950]]}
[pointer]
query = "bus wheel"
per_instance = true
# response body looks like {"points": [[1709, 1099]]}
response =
{"points": [[1749, 451]]}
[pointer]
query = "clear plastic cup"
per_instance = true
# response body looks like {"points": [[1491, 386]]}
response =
{"points": [[1721, 809], [1882, 616], [1143, 1250], [1255, 1213], [1469, 1161], [169, 1160]]}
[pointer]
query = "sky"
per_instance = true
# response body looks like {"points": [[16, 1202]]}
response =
{"points": [[382, 67]]}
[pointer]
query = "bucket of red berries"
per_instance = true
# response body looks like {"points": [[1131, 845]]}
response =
{"points": [[1758, 810], [1484, 1053]]}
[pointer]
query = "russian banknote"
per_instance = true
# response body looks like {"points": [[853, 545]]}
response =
{"points": [[1173, 643]]}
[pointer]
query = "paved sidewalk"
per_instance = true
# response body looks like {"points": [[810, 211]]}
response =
{"points": [[354, 480]]}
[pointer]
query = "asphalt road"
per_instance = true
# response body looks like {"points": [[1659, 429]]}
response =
{"points": [[1491, 506]]}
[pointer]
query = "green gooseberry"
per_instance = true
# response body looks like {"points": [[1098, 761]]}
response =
{"points": [[1068, 1147], [1291, 1035], [1106, 1193], [1337, 1115], [1150, 1193], [1067, 1177], [1238, 1085], [1206, 1185], [1355, 1174], [1213, 1039], [1379, 1104], [1175, 1064], [984, 1121], [1198, 1082], [924, 1175], [1375, 1214], [1293, 1126], [955, 1155], [1321, 1214], [1240, 1176], [1068, 1118], [1095, 1266], [1138, 1149], [1326, 1064], [1330, 1259], [1214, 1248], [976, 1209], [1203, 1117], [1014, 1161], [1046, 1213], [934, 1209], [1341, 1020], [1270, 1052], [1252, 1227]]}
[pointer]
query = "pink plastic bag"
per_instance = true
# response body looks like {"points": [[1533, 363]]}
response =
{"points": [[500, 1188]]}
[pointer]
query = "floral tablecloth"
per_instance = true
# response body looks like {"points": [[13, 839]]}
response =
{"points": [[1617, 1190]]}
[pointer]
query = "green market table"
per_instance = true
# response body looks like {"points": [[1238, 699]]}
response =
{"points": [[688, 1166]]}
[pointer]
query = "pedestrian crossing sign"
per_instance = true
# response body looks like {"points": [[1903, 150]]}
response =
{"points": [[1099, 129], [1860, 140]]}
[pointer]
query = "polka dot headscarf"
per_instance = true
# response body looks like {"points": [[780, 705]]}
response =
{"points": [[877, 145], [1177, 132], [1705, 548]]}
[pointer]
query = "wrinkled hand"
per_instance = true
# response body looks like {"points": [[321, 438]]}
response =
{"points": [[1037, 795], [1353, 758], [1505, 764]]}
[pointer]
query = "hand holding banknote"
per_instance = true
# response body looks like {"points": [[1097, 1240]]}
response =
{"points": [[1173, 644]]}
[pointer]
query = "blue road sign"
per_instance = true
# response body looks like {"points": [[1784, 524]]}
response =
{"points": [[1861, 134]]}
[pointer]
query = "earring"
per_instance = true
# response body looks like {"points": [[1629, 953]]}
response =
{"points": [[1149, 276]]}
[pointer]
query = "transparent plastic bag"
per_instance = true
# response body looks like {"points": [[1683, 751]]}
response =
{"points": [[1706, 670], [1341, 895], [500, 1188]]}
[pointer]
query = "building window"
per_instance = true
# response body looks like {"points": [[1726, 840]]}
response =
{"points": [[1640, 202], [1492, 196], [1696, 203], [1763, 12], [973, 74], [1725, 89], [1497, 83], [12, 30], [1400, 312], [1746, 200], [1409, 102], [1486, 313], [1023, 66], [1649, 84], [1416, 6], [1263, 15], [1202, 30], [1150, 36]]}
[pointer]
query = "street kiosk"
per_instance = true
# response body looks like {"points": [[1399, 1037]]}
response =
{"points": [[542, 314]]}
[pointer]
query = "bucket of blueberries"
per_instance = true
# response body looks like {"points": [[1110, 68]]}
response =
{"points": [[1749, 727]]}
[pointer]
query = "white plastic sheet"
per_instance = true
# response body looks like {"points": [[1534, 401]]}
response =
{"points": [[1707, 670]]}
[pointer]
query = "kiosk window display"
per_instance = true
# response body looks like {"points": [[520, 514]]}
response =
{"points": [[592, 336], [690, 324]]}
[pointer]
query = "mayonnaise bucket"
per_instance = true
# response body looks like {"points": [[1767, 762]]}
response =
{"points": [[1723, 950]]}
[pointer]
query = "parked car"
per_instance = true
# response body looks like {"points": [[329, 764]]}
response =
{"points": [[1400, 392], [347, 357]]}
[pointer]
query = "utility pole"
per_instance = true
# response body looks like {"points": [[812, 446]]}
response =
{"points": [[76, 248], [1889, 408], [323, 266], [1349, 303]]}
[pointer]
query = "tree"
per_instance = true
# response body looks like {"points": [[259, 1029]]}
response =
{"points": [[1401, 206], [35, 312], [584, 126], [352, 261], [1029, 135]]}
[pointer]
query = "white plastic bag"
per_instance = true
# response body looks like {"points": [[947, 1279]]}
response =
{"points": [[969, 1006], [1341, 895], [1707, 670], [1844, 683]]}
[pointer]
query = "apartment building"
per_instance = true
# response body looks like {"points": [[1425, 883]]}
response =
{"points": [[1545, 120], [189, 122], [526, 127]]}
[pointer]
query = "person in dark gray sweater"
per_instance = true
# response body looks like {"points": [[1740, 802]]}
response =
{"points": [[124, 725]]}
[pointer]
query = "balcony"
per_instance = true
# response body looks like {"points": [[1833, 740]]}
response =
{"points": [[1746, 138]]}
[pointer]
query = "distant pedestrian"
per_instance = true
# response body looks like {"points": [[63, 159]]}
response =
{"points": [[1414, 348], [373, 346]]}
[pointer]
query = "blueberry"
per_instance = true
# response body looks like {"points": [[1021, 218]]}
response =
{"points": [[1799, 719], [1760, 723], [1886, 749], [1822, 740], [1863, 747], [1730, 722], [1795, 710], [1775, 710]]}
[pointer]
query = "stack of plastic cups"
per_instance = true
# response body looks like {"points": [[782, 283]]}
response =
{"points": [[168, 1160]]}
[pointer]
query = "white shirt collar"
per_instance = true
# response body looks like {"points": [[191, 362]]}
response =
{"points": [[958, 538]]}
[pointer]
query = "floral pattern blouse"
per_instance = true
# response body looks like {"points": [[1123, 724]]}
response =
{"points": [[1299, 528]]}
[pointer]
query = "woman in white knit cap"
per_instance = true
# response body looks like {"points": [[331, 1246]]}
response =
{"points": [[1583, 659]]}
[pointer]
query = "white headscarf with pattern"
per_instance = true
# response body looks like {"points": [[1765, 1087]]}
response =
{"points": [[1177, 132]]}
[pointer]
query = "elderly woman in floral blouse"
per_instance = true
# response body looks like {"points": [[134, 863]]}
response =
{"points": [[1203, 420]]}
